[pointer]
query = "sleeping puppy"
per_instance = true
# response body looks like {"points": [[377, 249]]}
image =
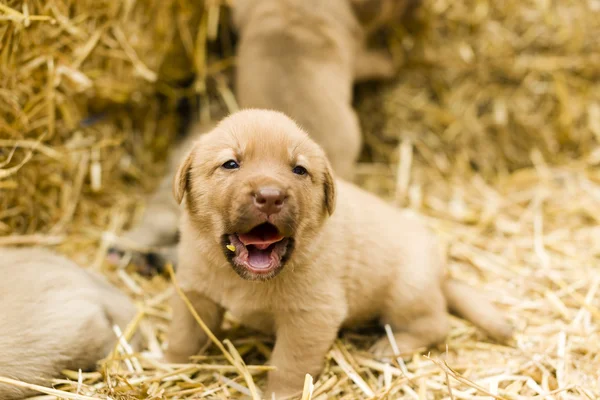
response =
{"points": [[301, 57], [259, 237], [55, 316]]}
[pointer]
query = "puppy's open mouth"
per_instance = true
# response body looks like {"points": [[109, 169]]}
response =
{"points": [[261, 251]]}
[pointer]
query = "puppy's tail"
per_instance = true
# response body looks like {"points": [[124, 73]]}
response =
{"points": [[470, 304]]}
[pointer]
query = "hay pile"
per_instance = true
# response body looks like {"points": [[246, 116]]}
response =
{"points": [[491, 131], [87, 101], [487, 82]]}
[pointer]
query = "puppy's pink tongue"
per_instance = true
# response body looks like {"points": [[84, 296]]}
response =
{"points": [[259, 259]]}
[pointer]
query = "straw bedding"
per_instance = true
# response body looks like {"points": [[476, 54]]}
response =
{"points": [[85, 102], [491, 130]]}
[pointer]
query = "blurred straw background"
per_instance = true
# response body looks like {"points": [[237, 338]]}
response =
{"points": [[491, 130]]}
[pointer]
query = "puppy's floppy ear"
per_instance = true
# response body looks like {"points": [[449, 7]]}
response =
{"points": [[181, 181], [329, 189]]}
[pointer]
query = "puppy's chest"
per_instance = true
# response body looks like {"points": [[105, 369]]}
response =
{"points": [[258, 319], [246, 301]]}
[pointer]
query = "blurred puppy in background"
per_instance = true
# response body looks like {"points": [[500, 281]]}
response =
{"points": [[301, 57], [269, 234], [153, 240], [55, 316]]}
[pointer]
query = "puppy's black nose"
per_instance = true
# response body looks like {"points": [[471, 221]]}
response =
{"points": [[269, 200]]}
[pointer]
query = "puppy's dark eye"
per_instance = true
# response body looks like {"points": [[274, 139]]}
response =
{"points": [[298, 170], [231, 164]]}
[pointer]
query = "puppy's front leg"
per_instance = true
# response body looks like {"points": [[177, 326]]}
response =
{"points": [[303, 339], [186, 337]]}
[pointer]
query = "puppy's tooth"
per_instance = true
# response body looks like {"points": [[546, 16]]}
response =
{"points": [[230, 247]]}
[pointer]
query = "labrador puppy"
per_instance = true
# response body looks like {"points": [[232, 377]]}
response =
{"points": [[55, 316], [302, 57], [259, 237]]}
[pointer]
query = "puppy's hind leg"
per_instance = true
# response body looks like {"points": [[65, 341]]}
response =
{"points": [[470, 304], [418, 324]]}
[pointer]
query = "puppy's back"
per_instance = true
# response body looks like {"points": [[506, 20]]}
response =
{"points": [[55, 316], [374, 243], [405, 257]]}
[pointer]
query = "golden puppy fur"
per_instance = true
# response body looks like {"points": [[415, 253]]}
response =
{"points": [[55, 316], [301, 57], [311, 254]]}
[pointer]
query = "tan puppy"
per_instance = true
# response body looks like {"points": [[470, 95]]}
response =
{"points": [[301, 57], [55, 315], [298, 269]]}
